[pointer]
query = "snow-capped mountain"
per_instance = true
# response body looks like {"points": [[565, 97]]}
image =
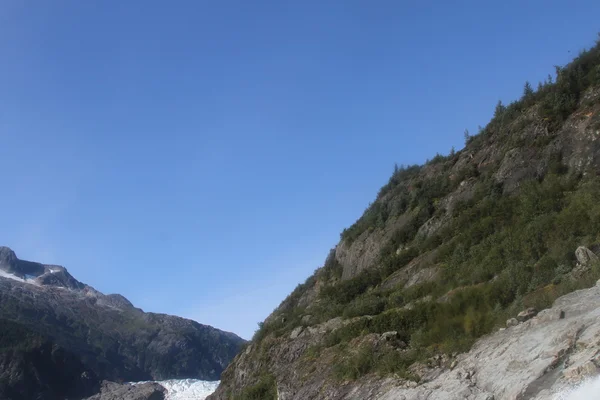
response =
{"points": [[50, 321]]}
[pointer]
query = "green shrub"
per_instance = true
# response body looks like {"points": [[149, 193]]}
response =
{"points": [[264, 389], [356, 365]]}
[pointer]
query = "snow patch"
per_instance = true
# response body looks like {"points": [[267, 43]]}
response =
{"points": [[187, 389], [587, 390], [4, 274]]}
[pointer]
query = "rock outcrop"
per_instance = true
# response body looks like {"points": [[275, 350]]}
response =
{"points": [[143, 391], [585, 256], [526, 315]]}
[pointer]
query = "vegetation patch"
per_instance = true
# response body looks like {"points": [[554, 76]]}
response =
{"points": [[264, 389]]}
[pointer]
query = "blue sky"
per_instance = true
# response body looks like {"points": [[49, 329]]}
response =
{"points": [[201, 158]]}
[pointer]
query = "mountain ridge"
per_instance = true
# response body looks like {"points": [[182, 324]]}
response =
{"points": [[106, 336]]}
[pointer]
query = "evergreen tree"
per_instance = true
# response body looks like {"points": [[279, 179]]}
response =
{"points": [[527, 91], [500, 108], [558, 70]]}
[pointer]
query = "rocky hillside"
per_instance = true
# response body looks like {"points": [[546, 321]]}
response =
{"points": [[445, 255], [60, 337], [32, 366], [534, 359]]}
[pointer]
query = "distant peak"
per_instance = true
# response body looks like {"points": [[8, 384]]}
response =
{"points": [[7, 256], [45, 275]]}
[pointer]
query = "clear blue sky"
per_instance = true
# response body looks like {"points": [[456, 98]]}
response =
{"points": [[202, 157]]}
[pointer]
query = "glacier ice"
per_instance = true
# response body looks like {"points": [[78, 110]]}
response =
{"points": [[187, 389]]}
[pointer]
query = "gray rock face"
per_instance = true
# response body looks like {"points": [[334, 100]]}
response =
{"points": [[45, 275], [8, 259], [144, 391], [364, 251], [585, 256], [10, 263], [296, 332], [59, 277]]}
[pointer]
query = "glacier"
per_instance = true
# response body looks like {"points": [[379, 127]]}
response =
{"points": [[187, 389], [8, 275]]}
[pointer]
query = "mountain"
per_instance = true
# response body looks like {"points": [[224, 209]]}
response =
{"points": [[59, 337], [446, 254]]}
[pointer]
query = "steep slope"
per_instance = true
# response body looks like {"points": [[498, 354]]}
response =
{"points": [[33, 367], [533, 360], [446, 253], [103, 335]]}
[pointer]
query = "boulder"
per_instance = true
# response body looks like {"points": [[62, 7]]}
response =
{"points": [[512, 322], [526, 315], [388, 336], [585, 256], [296, 332], [393, 339]]}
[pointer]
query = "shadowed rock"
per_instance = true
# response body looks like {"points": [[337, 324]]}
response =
{"points": [[143, 391], [107, 336]]}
